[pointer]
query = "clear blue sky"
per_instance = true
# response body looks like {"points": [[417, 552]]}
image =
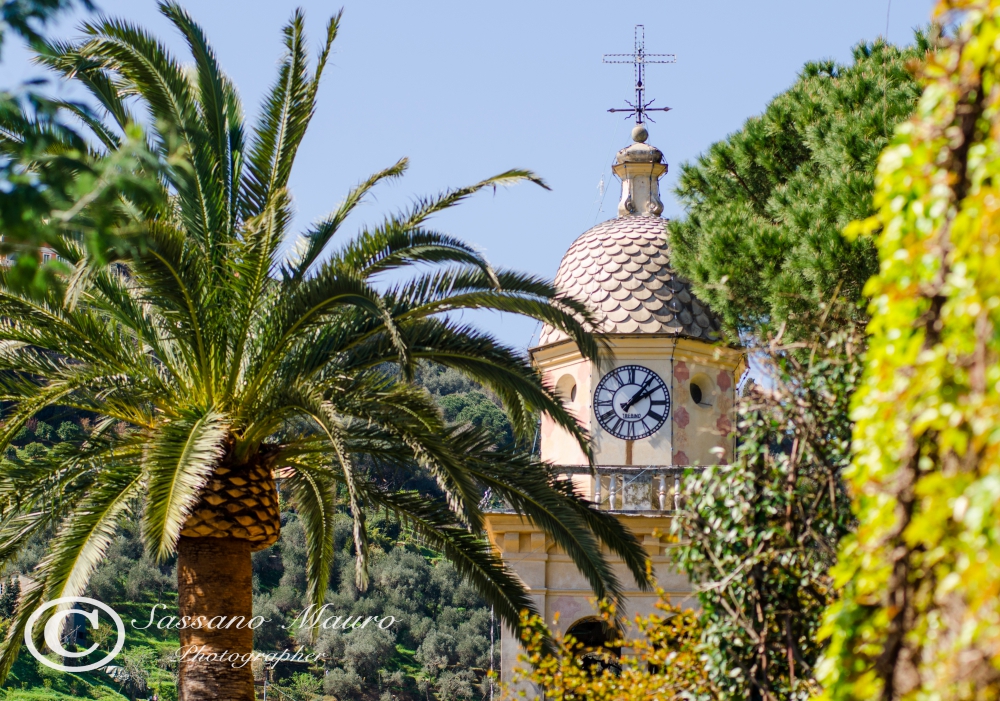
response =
{"points": [[469, 89]]}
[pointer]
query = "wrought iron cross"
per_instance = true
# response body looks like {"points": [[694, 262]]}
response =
{"points": [[640, 58]]}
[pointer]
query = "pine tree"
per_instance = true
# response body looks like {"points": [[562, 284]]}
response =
{"points": [[761, 239], [762, 242]]}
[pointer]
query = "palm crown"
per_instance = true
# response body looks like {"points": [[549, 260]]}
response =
{"points": [[228, 361]]}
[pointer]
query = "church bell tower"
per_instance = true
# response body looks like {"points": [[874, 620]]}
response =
{"points": [[657, 403], [659, 400]]}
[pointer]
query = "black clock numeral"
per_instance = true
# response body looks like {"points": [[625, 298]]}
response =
{"points": [[606, 416], [631, 429], [631, 374], [618, 427], [657, 402], [654, 416]]}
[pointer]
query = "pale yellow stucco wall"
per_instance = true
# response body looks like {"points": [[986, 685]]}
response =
{"points": [[693, 435], [559, 590]]}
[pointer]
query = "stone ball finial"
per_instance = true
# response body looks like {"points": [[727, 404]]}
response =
{"points": [[639, 133]]}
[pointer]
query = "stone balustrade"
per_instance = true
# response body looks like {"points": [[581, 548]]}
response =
{"points": [[627, 489], [630, 488]]}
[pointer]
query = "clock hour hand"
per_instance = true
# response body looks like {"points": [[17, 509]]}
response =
{"points": [[641, 395]]}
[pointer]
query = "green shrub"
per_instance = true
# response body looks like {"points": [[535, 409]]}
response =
{"points": [[32, 450], [44, 431], [69, 431]]}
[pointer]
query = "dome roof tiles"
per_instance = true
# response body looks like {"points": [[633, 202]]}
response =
{"points": [[621, 270]]}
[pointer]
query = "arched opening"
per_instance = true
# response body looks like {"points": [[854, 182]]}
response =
{"points": [[592, 636], [696, 392], [701, 391], [566, 388]]}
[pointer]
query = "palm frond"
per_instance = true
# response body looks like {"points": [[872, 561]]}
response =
{"points": [[312, 244], [312, 303], [311, 404], [472, 554], [88, 530], [178, 461], [432, 205], [313, 493], [219, 104], [287, 110], [146, 68], [392, 246], [537, 492], [66, 59]]}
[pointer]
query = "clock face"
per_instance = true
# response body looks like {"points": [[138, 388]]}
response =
{"points": [[631, 402]]}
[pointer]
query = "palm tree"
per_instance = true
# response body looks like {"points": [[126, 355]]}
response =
{"points": [[215, 362]]}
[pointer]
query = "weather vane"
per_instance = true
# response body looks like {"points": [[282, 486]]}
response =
{"points": [[640, 58]]}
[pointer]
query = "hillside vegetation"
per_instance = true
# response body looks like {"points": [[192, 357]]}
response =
{"points": [[437, 645]]}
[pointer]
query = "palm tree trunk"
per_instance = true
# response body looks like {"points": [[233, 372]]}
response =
{"points": [[214, 578]]}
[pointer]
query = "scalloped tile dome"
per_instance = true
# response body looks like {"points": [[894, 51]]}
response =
{"points": [[621, 270]]}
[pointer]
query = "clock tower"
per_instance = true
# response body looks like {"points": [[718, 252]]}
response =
{"points": [[658, 402]]}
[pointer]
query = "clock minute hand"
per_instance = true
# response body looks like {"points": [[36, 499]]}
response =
{"points": [[638, 395], [641, 395]]}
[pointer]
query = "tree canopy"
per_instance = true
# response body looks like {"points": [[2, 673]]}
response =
{"points": [[764, 208], [762, 241]]}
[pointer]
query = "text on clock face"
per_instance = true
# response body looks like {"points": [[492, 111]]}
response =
{"points": [[631, 402]]}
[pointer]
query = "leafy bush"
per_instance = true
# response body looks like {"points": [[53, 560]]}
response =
{"points": [[9, 596], [343, 684], [665, 662], [367, 649], [272, 635], [442, 381], [105, 585], [32, 450], [457, 686], [302, 687], [44, 431], [477, 409], [69, 431]]}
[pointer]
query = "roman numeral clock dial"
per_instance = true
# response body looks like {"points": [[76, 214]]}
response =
{"points": [[631, 402]]}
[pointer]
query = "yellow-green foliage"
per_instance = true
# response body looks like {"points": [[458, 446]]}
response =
{"points": [[663, 662], [920, 613]]}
